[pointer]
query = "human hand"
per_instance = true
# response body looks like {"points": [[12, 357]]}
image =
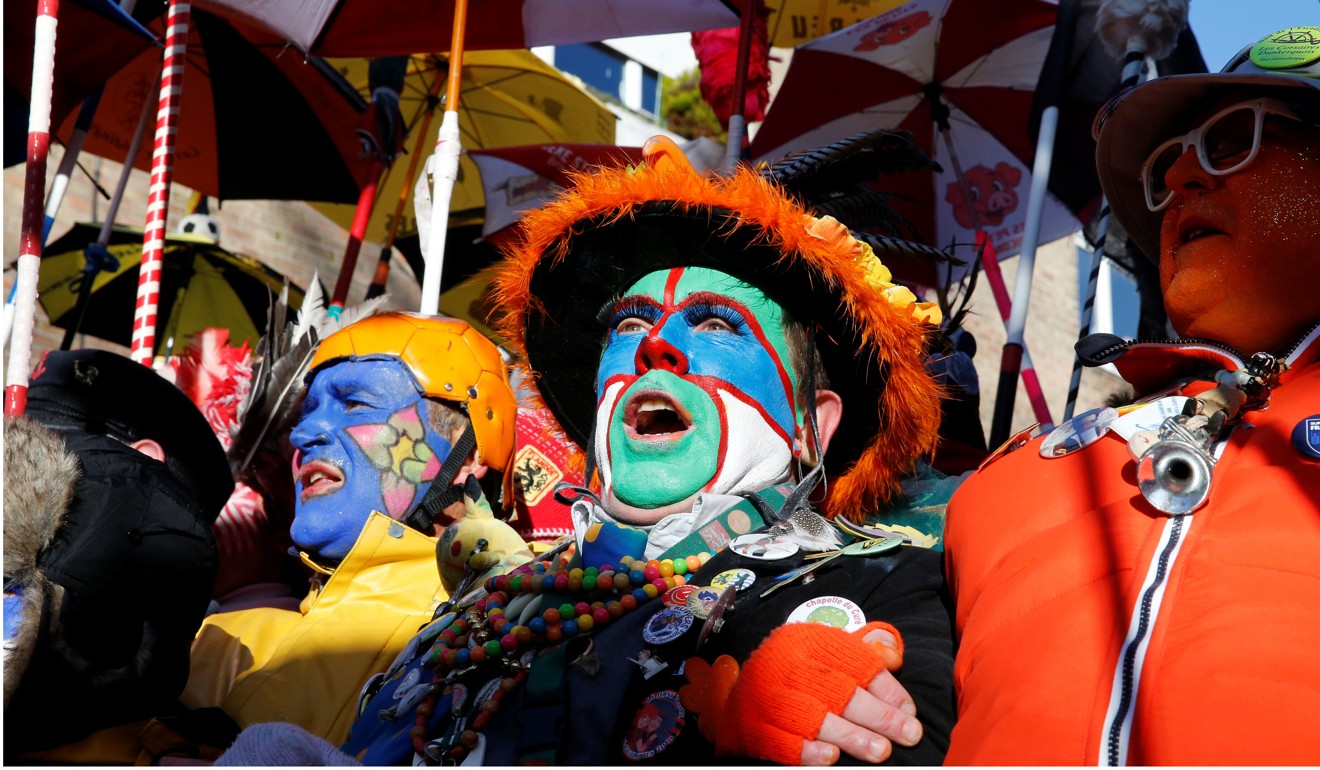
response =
{"points": [[811, 692], [875, 716]]}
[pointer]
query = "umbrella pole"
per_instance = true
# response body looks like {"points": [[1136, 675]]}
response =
{"points": [[97, 255], [1133, 70], [72, 149], [34, 187], [382, 273], [1014, 344], [990, 263], [1050, 90], [447, 147], [162, 170], [362, 215], [737, 120]]}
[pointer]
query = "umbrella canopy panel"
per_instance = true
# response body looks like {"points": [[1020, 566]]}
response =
{"points": [[372, 28], [898, 70], [95, 38], [202, 285], [247, 103], [508, 98], [519, 179], [794, 22]]}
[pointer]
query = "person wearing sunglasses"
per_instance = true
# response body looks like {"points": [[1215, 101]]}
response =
{"points": [[1141, 585]]}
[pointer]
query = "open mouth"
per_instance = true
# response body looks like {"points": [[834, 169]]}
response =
{"points": [[653, 414], [1194, 229], [319, 478]]}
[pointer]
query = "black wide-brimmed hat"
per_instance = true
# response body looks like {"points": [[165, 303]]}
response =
{"points": [[616, 225]]}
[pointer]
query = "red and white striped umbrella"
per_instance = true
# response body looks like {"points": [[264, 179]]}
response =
{"points": [[974, 64]]}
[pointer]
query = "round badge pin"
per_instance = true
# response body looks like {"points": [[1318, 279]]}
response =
{"points": [[655, 726], [701, 600], [667, 625], [872, 547], [1288, 48], [1306, 437], [678, 595], [763, 546], [738, 579], [1078, 433], [830, 611]]}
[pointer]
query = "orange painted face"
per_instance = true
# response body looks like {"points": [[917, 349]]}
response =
{"points": [[1239, 253]]}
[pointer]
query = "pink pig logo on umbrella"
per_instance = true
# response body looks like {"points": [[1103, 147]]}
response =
{"points": [[992, 194]]}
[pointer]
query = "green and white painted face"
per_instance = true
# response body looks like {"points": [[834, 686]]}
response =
{"points": [[695, 394]]}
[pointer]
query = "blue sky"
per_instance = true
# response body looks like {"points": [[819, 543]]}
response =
{"points": [[1223, 27]]}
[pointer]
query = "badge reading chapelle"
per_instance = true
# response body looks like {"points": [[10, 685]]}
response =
{"points": [[1289, 48], [830, 611]]}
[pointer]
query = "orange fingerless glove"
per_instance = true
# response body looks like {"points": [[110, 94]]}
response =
{"points": [[800, 673]]}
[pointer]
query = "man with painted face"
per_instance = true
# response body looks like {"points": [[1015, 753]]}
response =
{"points": [[730, 330], [400, 411], [1144, 589]]}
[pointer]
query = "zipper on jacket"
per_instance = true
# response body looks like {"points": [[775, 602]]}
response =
{"points": [[1114, 346], [1118, 719], [1127, 676]]}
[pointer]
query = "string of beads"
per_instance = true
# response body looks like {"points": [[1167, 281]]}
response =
{"points": [[484, 634]]}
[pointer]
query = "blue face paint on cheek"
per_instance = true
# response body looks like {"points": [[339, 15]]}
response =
{"points": [[618, 358], [733, 333], [365, 443]]}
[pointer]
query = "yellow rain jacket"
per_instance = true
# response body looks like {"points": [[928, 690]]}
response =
{"points": [[307, 667]]}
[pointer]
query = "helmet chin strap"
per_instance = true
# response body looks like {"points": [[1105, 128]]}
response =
{"points": [[443, 492]]}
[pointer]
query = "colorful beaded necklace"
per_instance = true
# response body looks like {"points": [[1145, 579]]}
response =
{"points": [[484, 634]]}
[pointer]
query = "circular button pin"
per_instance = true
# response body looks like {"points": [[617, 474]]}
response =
{"points": [[1306, 437]]}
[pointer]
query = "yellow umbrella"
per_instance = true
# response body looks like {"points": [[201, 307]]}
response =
{"points": [[794, 22], [201, 285], [508, 98]]}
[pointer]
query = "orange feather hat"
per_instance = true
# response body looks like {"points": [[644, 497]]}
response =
{"points": [[617, 225]]}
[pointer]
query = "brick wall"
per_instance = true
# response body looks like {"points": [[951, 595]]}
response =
{"points": [[297, 241]]}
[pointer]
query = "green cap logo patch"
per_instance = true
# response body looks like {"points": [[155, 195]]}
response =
{"points": [[1292, 47]]}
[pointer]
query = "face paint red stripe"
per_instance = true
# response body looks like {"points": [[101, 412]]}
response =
{"points": [[724, 437], [710, 298]]}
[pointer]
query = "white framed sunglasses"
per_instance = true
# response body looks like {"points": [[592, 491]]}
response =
{"points": [[1225, 143]]}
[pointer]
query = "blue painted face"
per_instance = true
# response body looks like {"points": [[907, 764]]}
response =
{"points": [[695, 391], [365, 442]]}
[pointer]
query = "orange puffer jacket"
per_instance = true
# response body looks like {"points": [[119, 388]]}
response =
{"points": [[1095, 629]]}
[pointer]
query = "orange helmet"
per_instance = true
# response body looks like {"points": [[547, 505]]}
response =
{"points": [[448, 359]]}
